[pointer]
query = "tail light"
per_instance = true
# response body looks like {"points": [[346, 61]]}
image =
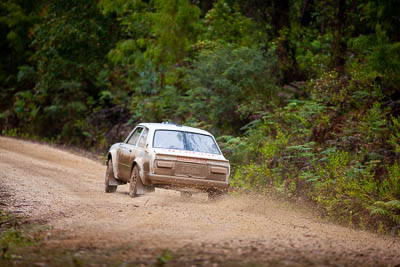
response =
{"points": [[219, 170], [164, 164]]}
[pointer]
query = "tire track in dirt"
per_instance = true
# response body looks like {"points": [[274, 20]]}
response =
{"points": [[67, 192]]}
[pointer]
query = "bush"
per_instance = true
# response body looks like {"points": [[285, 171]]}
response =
{"points": [[227, 85]]}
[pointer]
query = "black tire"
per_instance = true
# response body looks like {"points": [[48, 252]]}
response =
{"points": [[133, 181], [109, 173]]}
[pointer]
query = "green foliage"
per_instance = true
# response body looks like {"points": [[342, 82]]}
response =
{"points": [[10, 132], [395, 134], [390, 188], [160, 34], [390, 209], [226, 23], [309, 148], [268, 168], [17, 19], [62, 85], [344, 186], [235, 148], [374, 124], [174, 26], [164, 258], [228, 84], [156, 107], [10, 236], [251, 176], [10, 239], [312, 52], [381, 55], [302, 116], [380, 13]]}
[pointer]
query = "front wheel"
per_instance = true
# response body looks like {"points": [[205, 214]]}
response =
{"points": [[133, 181], [109, 175]]}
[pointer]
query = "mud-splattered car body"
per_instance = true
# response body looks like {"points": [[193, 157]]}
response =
{"points": [[168, 156]]}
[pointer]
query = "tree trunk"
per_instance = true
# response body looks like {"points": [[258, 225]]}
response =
{"points": [[338, 47], [282, 15], [286, 59], [306, 13]]}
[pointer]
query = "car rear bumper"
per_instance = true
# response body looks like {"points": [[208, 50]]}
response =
{"points": [[176, 181]]}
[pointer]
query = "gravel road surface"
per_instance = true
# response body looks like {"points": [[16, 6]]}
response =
{"points": [[67, 192]]}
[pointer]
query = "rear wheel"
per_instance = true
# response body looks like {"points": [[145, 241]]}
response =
{"points": [[133, 181], [109, 175]]}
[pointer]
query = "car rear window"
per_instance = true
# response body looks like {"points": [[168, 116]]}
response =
{"points": [[185, 141]]}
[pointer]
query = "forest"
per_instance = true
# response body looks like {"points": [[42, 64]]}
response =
{"points": [[303, 95]]}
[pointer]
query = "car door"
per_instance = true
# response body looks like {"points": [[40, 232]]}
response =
{"points": [[135, 148], [138, 152], [125, 157]]}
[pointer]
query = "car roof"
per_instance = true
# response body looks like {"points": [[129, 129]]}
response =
{"points": [[175, 127]]}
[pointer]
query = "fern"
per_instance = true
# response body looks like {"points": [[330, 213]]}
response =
{"points": [[390, 209], [379, 211], [393, 204], [395, 218]]}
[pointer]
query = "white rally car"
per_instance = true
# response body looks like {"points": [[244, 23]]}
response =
{"points": [[168, 156]]}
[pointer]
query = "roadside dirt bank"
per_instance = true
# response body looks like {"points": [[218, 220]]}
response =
{"points": [[91, 227]]}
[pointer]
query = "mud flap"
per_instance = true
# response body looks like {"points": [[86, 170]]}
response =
{"points": [[111, 178], [140, 188]]}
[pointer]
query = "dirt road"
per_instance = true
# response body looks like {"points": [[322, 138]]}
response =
{"points": [[66, 191]]}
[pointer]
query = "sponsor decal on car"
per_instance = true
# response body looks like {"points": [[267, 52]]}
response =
{"points": [[187, 159], [191, 152]]}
